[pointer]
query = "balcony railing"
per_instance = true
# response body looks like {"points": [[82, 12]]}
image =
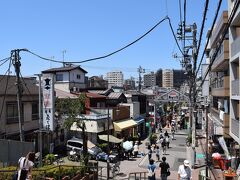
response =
{"points": [[235, 87], [218, 83], [216, 115], [235, 127], [235, 46]]}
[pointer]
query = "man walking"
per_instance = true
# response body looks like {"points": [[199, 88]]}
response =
{"points": [[164, 169], [184, 171]]}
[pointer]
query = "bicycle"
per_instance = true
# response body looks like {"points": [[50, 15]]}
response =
{"points": [[115, 168]]}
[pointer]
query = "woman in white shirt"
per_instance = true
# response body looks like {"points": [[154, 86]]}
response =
{"points": [[25, 166]]}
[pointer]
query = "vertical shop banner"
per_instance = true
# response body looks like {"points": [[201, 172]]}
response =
{"points": [[48, 101]]}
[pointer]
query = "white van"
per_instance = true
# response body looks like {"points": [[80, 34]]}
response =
{"points": [[77, 144]]}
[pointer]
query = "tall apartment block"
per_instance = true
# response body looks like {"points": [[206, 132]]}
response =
{"points": [[149, 79], [219, 81], [159, 77], [115, 78], [167, 78], [234, 51], [130, 84]]}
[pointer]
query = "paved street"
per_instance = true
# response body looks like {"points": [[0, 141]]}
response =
{"points": [[176, 154]]}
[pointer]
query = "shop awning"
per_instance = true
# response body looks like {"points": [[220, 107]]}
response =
{"points": [[139, 120], [121, 125], [112, 139]]}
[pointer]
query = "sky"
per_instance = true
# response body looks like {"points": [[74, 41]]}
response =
{"points": [[84, 29]]}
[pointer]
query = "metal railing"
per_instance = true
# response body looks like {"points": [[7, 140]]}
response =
{"points": [[235, 127], [138, 175], [235, 87]]}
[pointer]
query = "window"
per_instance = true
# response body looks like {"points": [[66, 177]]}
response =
{"points": [[12, 113], [78, 76], [35, 111], [59, 77]]}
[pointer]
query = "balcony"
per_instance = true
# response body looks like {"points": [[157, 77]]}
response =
{"points": [[235, 46], [219, 117], [235, 127], [220, 87], [235, 87], [222, 58]]}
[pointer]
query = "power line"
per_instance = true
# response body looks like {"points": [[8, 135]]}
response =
{"points": [[105, 56], [225, 31], [170, 24], [5, 60], [210, 33], [25, 84], [202, 27]]}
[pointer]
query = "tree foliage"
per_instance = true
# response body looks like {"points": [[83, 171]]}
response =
{"points": [[70, 110]]}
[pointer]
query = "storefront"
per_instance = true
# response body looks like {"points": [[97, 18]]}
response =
{"points": [[125, 128]]}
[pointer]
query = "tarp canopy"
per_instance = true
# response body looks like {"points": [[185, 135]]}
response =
{"points": [[112, 139], [119, 126]]}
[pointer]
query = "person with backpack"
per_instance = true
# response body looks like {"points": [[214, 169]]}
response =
{"points": [[25, 165], [149, 153], [158, 153], [164, 146], [151, 170], [164, 169]]}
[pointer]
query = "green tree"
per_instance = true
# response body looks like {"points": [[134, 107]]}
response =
{"points": [[71, 109]]}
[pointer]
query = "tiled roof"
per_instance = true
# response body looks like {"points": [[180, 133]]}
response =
{"points": [[94, 95], [114, 95], [64, 94], [102, 92], [62, 69], [28, 84]]}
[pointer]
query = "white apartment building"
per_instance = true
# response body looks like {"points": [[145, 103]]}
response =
{"points": [[149, 80], [115, 78], [167, 78], [234, 56]]}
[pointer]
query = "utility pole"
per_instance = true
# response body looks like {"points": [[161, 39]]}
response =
{"points": [[140, 71], [206, 111], [108, 148], [16, 63], [194, 54], [40, 118]]}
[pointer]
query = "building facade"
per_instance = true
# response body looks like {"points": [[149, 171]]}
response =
{"points": [[9, 115], [234, 51], [167, 78], [96, 82], [179, 77], [69, 78], [130, 84], [219, 81], [115, 78], [149, 79]]}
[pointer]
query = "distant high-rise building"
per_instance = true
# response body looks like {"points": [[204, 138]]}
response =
{"points": [[149, 79], [97, 82], [179, 78], [159, 78], [167, 78], [129, 84], [115, 78]]}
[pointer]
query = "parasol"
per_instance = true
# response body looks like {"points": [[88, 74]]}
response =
{"points": [[127, 145]]}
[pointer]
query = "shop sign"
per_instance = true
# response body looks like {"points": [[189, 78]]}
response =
{"points": [[48, 101]]}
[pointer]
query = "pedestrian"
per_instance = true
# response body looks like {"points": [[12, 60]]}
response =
{"points": [[158, 153], [167, 141], [151, 170], [139, 138], [149, 152], [164, 169], [25, 165], [164, 148], [135, 149], [166, 133], [184, 171]]}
